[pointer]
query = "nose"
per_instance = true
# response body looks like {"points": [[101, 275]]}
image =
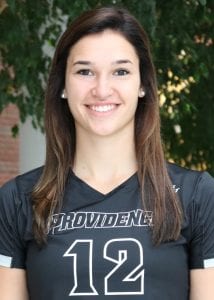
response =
{"points": [[102, 89]]}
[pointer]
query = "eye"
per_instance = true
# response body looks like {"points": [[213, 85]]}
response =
{"points": [[85, 72], [121, 72]]}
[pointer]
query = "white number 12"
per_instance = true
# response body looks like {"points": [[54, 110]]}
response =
{"points": [[126, 276]]}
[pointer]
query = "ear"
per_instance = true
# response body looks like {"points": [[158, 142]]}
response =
{"points": [[141, 93]]}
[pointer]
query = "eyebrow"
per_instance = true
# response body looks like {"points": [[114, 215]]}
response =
{"points": [[82, 62], [122, 61], [116, 62]]}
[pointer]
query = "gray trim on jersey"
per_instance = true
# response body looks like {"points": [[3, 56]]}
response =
{"points": [[209, 263], [5, 261]]}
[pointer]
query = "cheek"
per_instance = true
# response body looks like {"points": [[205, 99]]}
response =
{"points": [[76, 90], [131, 93], [75, 101], [131, 89], [70, 106]]}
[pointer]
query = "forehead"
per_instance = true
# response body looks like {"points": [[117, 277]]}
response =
{"points": [[107, 45]]}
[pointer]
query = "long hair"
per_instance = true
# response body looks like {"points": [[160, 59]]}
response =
{"points": [[157, 193]]}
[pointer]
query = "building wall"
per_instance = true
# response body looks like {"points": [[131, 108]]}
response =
{"points": [[32, 147], [9, 146], [20, 154]]}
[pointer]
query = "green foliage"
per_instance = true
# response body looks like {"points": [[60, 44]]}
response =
{"points": [[21, 58], [184, 59], [182, 46]]}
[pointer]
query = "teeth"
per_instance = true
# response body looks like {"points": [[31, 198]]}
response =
{"points": [[102, 108]]}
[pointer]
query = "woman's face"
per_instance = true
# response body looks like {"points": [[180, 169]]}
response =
{"points": [[102, 84]]}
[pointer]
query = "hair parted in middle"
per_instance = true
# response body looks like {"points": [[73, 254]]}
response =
{"points": [[157, 193]]}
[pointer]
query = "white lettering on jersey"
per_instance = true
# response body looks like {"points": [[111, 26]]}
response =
{"points": [[76, 250], [126, 276], [74, 220]]}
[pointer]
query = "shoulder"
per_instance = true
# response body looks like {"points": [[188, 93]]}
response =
{"points": [[19, 186], [184, 175], [15, 202], [181, 174], [196, 192], [190, 182], [16, 218]]}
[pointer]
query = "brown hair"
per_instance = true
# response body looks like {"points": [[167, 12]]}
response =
{"points": [[157, 193]]}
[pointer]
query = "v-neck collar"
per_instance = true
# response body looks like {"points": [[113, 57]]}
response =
{"points": [[126, 184]]}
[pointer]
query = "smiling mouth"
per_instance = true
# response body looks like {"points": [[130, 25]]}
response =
{"points": [[102, 108]]}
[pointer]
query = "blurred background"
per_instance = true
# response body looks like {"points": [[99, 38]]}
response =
{"points": [[181, 35]]}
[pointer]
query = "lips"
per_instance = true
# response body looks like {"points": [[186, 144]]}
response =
{"points": [[102, 108]]}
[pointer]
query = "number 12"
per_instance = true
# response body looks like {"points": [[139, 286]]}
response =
{"points": [[125, 278]]}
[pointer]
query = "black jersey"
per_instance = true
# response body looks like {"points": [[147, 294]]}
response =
{"points": [[100, 245]]}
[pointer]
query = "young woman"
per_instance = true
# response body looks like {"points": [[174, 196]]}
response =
{"points": [[106, 216]]}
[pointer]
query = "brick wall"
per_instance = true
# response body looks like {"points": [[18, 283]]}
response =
{"points": [[9, 146]]}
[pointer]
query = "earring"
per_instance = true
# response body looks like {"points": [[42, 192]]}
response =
{"points": [[63, 95], [141, 93]]}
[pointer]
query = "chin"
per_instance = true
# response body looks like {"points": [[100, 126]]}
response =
{"points": [[103, 132]]}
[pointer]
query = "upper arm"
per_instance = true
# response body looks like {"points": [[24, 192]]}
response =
{"points": [[202, 284], [13, 284], [12, 244], [202, 241]]}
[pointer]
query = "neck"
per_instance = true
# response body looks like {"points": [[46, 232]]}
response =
{"points": [[105, 158]]}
